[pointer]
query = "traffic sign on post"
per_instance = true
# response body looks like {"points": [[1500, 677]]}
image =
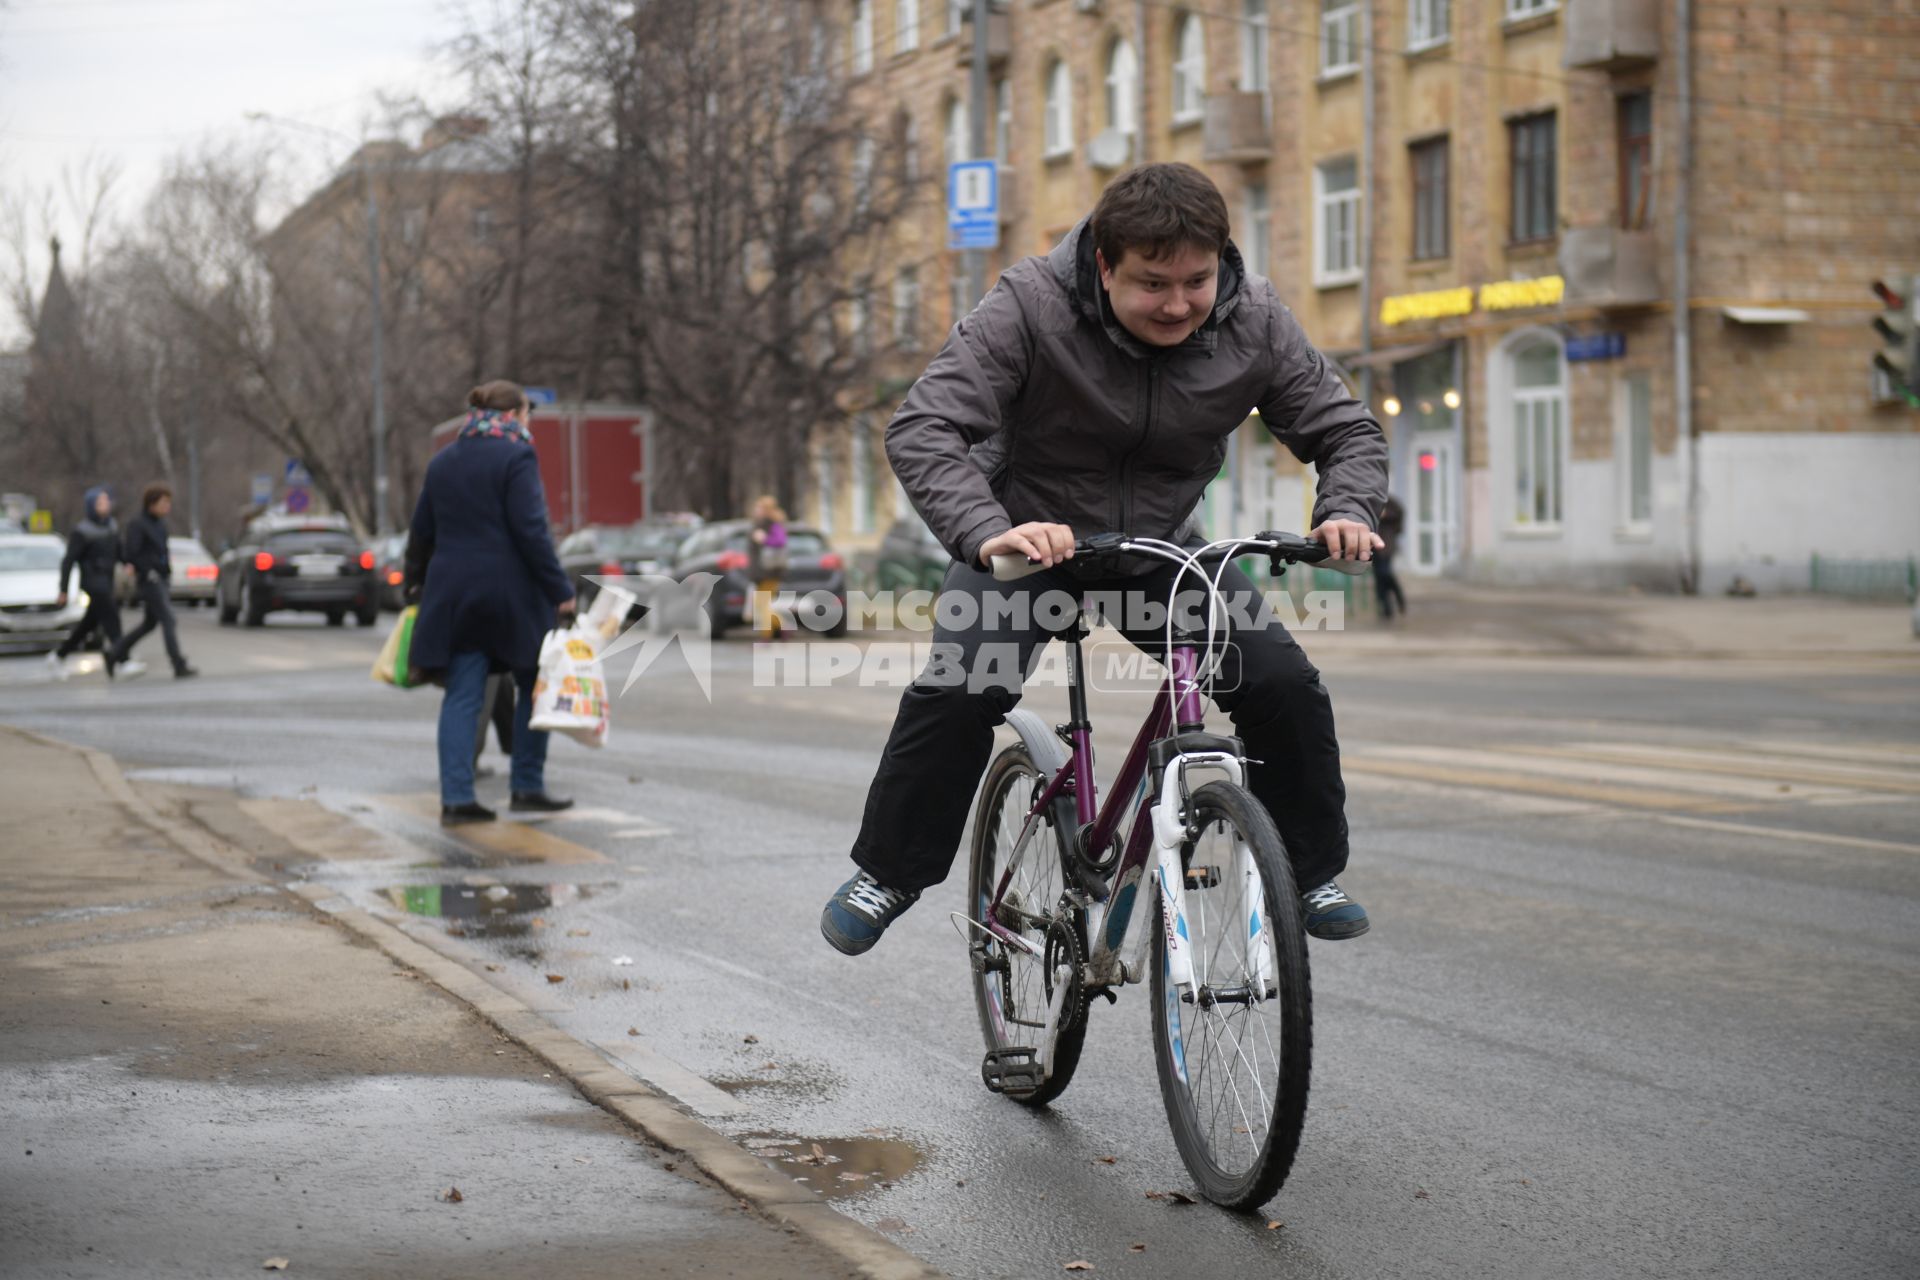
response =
{"points": [[973, 205]]}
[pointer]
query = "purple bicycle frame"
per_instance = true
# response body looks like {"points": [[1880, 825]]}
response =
{"points": [[1177, 701]]}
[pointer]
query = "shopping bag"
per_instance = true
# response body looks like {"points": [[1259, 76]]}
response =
{"points": [[392, 665], [570, 688]]}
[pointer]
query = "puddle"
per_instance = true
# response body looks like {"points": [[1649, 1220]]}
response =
{"points": [[836, 1167], [486, 911]]}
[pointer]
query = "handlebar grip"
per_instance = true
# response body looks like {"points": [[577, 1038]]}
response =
{"points": [[1006, 568]]}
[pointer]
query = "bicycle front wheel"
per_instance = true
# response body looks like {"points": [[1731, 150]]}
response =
{"points": [[1235, 1049], [1013, 986]]}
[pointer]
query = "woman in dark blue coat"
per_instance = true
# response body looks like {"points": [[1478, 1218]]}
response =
{"points": [[481, 557]]}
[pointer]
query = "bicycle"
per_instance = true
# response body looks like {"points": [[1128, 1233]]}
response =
{"points": [[1055, 889]]}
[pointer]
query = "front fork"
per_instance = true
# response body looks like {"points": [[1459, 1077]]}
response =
{"points": [[1171, 831]]}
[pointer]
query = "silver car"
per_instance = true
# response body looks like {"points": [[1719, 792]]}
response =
{"points": [[30, 618]]}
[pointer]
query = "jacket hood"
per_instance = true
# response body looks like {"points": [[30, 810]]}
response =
{"points": [[86, 502], [1074, 267]]}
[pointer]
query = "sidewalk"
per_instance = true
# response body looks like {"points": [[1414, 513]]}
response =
{"points": [[199, 1074], [1447, 618]]}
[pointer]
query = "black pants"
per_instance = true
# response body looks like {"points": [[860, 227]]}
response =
{"points": [[155, 599], [1386, 586], [102, 613], [943, 734]]}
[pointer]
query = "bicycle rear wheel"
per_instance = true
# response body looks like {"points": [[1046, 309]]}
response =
{"points": [[1011, 987], [1235, 1052]]}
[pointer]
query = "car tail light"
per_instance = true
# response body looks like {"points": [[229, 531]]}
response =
{"points": [[395, 577], [731, 560], [611, 569], [263, 561], [366, 559], [832, 560], [201, 572]]}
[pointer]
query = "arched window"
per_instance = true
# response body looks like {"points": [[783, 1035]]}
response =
{"points": [[1189, 70], [1123, 87], [1059, 110]]}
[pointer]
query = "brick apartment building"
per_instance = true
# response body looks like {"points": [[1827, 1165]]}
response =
{"points": [[1508, 296]]}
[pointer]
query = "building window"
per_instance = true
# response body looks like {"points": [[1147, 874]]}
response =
{"points": [[1531, 143], [1527, 8], [906, 26], [1430, 199], [862, 36], [958, 127], [862, 174], [1428, 22], [957, 15], [1253, 46], [909, 136], [861, 456], [1336, 223], [1339, 37], [1539, 433], [1123, 87], [1259, 228], [1189, 70], [1636, 158], [1002, 119], [906, 307], [1635, 451], [1059, 110], [483, 225]]}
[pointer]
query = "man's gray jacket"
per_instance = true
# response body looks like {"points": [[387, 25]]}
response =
{"points": [[1042, 407]]}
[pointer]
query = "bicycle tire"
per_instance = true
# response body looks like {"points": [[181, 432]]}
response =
{"points": [[1244, 1164], [1010, 1000]]}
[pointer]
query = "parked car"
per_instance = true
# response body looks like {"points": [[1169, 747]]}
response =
{"points": [[607, 551], [722, 549], [191, 582], [390, 571], [30, 618], [911, 558], [311, 563]]}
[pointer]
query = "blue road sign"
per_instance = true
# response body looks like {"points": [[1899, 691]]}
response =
{"points": [[298, 500], [262, 489], [1596, 346], [297, 472], [973, 205], [541, 395]]}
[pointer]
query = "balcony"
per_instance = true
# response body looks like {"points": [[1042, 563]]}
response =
{"points": [[999, 42], [1611, 35], [1236, 129], [1609, 267]]}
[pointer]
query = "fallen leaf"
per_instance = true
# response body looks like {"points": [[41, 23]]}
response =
{"points": [[1156, 1195], [1078, 1266], [452, 1195], [1420, 1194], [751, 1040], [493, 968], [626, 984], [275, 1264], [455, 931], [769, 1066], [556, 977], [1181, 1197], [1136, 1248], [579, 933], [1105, 1159], [1274, 1224], [633, 1031], [583, 1159], [538, 922]]}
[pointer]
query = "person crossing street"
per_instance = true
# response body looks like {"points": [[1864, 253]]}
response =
{"points": [[145, 548], [94, 549]]}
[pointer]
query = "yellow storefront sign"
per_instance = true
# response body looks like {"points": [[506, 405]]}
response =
{"points": [[1502, 295], [1436, 305]]}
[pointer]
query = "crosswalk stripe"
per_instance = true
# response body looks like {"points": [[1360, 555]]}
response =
{"points": [[1543, 763], [1744, 765], [1782, 833], [1638, 797]]}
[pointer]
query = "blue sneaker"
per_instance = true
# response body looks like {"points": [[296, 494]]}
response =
{"points": [[860, 911], [1332, 914]]}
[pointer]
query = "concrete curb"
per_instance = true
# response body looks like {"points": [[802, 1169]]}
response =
{"points": [[658, 1119]]}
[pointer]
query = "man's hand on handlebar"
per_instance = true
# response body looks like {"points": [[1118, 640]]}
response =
{"points": [[1348, 539], [1046, 543]]}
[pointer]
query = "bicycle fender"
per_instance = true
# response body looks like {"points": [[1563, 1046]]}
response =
{"points": [[1043, 744]]}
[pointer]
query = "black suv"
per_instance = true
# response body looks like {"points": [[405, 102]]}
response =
{"points": [[722, 549], [312, 563]]}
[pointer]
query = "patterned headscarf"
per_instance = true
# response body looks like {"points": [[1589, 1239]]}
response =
{"points": [[500, 424]]}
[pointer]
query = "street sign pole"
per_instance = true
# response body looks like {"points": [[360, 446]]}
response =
{"points": [[979, 91]]}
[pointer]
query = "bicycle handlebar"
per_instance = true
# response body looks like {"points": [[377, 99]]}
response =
{"points": [[1281, 548]]}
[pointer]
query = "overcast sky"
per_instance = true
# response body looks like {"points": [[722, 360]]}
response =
{"points": [[131, 81]]}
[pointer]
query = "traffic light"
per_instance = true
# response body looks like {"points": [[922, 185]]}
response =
{"points": [[1897, 364]]}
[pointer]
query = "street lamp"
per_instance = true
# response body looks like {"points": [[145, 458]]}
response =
{"points": [[379, 344]]}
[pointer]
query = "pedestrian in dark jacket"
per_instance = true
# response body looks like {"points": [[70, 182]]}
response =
{"points": [[1096, 390], [481, 559], [144, 547], [1386, 583], [94, 549]]}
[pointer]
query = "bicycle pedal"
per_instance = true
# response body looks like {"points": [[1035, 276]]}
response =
{"points": [[1011, 1070], [1202, 877]]}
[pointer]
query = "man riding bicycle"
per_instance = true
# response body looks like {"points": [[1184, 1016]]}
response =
{"points": [[1096, 389]]}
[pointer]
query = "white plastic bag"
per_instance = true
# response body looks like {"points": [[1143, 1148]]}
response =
{"points": [[570, 690]]}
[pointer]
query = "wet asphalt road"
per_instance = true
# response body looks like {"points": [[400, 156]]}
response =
{"points": [[1609, 1021]]}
